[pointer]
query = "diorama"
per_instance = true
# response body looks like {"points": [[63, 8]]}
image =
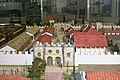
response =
{"points": [[59, 40]]}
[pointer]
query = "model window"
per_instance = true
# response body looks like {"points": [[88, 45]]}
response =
{"points": [[39, 54], [68, 54], [57, 51], [15, 52], [1, 52], [5, 52], [11, 52], [49, 51]]}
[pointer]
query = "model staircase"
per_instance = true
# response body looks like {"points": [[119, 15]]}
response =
{"points": [[53, 73]]}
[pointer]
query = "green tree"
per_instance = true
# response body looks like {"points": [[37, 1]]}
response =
{"points": [[37, 70], [38, 22], [101, 30], [48, 23], [30, 22]]}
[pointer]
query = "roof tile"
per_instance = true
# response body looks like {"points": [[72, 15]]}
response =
{"points": [[95, 75], [19, 41], [12, 77], [45, 39], [92, 38], [33, 30], [85, 39], [49, 30]]}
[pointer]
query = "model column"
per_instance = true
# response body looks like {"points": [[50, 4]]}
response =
{"points": [[115, 5], [88, 10]]}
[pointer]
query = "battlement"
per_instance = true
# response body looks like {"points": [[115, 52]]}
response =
{"points": [[18, 53], [38, 44], [67, 25], [28, 27], [100, 25]]}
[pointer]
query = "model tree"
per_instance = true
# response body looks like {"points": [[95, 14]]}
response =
{"points": [[101, 30], [37, 70]]}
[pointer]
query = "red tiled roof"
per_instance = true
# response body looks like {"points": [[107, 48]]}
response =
{"points": [[87, 33], [112, 31], [49, 30], [45, 38], [95, 75], [92, 30], [12, 77], [71, 33], [85, 39]]}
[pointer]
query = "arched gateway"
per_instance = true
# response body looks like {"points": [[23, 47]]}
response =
{"points": [[58, 61], [49, 61]]}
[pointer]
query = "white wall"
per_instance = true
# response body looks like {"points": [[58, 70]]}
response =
{"points": [[68, 60], [99, 25], [90, 51], [53, 54], [10, 56], [38, 50], [97, 59], [7, 49], [16, 59]]}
